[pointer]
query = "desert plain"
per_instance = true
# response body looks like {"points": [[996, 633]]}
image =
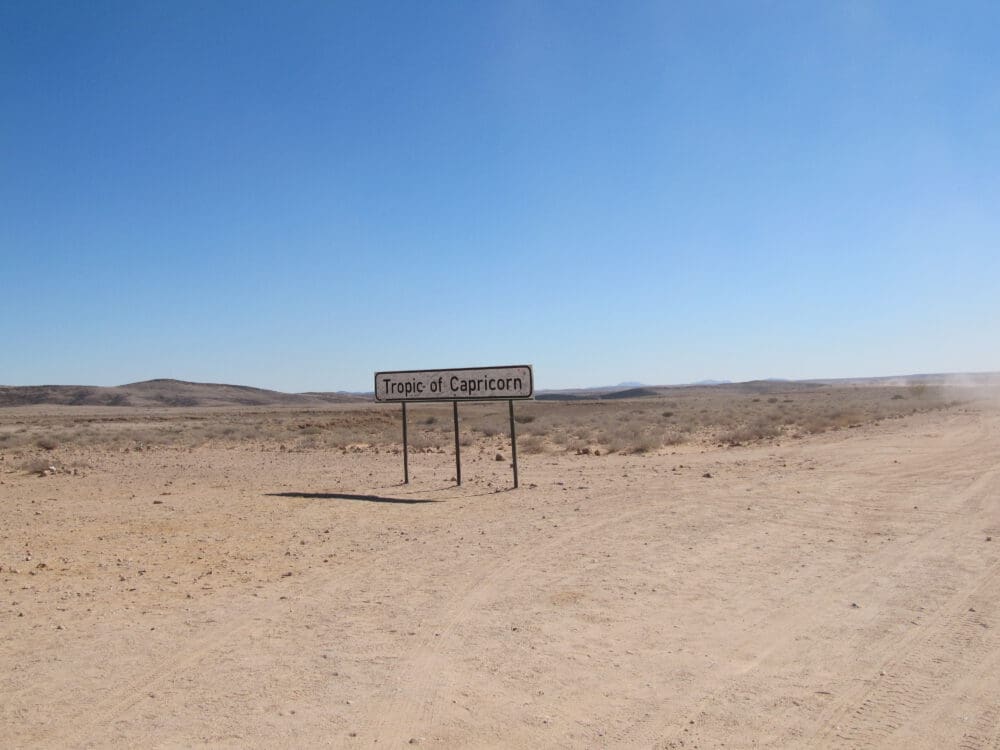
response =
{"points": [[768, 565]]}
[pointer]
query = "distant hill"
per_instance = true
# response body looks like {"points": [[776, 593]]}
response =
{"points": [[164, 392], [181, 393]]}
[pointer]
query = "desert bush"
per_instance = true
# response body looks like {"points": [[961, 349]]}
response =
{"points": [[531, 444], [422, 441], [672, 438], [47, 443], [645, 444], [757, 430], [560, 438], [35, 466], [535, 428]]}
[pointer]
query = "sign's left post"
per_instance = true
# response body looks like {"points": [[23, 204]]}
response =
{"points": [[406, 451]]}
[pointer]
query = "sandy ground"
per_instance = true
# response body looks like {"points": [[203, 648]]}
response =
{"points": [[838, 591]]}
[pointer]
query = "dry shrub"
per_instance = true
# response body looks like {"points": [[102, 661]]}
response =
{"points": [[645, 444], [760, 429], [672, 438], [531, 444], [35, 466], [423, 441]]}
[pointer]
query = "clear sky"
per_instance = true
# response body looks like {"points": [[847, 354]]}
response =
{"points": [[295, 194]]}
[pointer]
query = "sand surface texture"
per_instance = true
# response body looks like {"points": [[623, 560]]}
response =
{"points": [[842, 590]]}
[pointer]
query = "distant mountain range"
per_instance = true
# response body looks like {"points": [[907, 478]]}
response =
{"points": [[164, 392], [181, 393]]}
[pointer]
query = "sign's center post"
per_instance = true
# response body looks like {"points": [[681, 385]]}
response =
{"points": [[458, 449], [513, 442], [406, 451]]}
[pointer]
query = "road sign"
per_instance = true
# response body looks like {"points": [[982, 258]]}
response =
{"points": [[466, 384]]}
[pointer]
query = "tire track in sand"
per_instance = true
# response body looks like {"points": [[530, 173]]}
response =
{"points": [[929, 657], [780, 633], [412, 712]]}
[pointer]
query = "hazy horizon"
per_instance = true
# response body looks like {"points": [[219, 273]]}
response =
{"points": [[538, 388]]}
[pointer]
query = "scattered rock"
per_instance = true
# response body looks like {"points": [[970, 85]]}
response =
{"points": [[286, 574], [157, 502], [707, 475], [989, 539], [498, 457], [855, 605]]}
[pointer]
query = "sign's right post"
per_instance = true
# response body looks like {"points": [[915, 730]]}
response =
{"points": [[513, 441]]}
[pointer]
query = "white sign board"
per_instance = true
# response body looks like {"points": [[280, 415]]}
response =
{"points": [[467, 384]]}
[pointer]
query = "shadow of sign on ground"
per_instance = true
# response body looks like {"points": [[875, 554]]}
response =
{"points": [[352, 496]]}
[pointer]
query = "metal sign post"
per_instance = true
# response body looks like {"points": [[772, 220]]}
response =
{"points": [[406, 451], [513, 442], [505, 383], [458, 448]]}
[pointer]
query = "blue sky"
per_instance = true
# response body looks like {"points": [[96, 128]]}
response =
{"points": [[294, 195]]}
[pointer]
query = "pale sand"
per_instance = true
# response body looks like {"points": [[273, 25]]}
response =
{"points": [[836, 591]]}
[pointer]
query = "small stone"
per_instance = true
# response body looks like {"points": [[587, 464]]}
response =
{"points": [[855, 605], [989, 539], [286, 574], [498, 457], [157, 502], [706, 475]]}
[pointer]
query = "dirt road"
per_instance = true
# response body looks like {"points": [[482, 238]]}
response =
{"points": [[837, 591]]}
